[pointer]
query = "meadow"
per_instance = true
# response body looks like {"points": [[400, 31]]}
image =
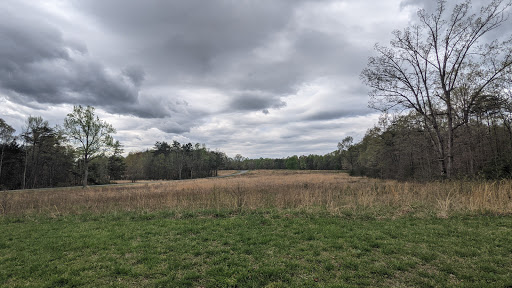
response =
{"points": [[260, 229]]}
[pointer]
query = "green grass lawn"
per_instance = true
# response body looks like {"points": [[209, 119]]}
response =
{"points": [[254, 249]]}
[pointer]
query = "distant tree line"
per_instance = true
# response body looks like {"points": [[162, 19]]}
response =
{"points": [[174, 162], [330, 161]]}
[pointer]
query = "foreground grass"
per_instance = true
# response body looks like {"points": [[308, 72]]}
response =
{"points": [[272, 248]]}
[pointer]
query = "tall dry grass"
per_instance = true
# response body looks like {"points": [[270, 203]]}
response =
{"points": [[336, 192]]}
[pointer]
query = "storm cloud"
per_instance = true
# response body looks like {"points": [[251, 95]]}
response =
{"points": [[260, 78]]}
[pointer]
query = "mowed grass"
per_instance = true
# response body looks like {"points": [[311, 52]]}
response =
{"points": [[255, 249], [261, 229]]}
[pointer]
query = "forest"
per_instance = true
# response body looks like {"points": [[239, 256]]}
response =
{"points": [[43, 156], [400, 148]]}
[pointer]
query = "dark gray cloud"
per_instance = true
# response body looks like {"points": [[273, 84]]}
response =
{"points": [[39, 65], [255, 101], [329, 115], [135, 73], [190, 37], [215, 43], [207, 43], [243, 75]]}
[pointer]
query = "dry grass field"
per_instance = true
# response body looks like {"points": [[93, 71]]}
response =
{"points": [[336, 192], [259, 229]]}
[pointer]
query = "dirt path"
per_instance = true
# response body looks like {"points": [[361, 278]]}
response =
{"points": [[240, 172]]}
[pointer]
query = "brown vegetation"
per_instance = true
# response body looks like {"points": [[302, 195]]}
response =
{"points": [[336, 192]]}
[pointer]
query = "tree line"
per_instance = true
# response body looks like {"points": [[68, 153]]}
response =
{"points": [[44, 156], [83, 151], [174, 161], [329, 161], [399, 148]]}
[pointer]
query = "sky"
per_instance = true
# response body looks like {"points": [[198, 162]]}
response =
{"points": [[266, 78]]}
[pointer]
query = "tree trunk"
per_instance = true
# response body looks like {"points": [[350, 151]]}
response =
{"points": [[25, 170], [449, 165], [470, 138], [442, 163], [439, 142], [1, 161], [86, 171]]}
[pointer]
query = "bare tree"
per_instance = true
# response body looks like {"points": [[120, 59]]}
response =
{"points": [[441, 68]]}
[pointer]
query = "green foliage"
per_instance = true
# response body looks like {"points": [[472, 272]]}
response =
{"points": [[116, 162], [12, 166], [42, 159], [99, 170], [292, 163], [136, 162], [174, 161], [47, 161], [91, 135], [330, 161], [6, 132], [41, 156], [6, 136], [84, 128]]}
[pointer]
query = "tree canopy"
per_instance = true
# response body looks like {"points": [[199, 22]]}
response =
{"points": [[91, 135], [6, 136]]}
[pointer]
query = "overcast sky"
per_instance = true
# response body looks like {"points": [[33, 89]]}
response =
{"points": [[260, 78]]}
